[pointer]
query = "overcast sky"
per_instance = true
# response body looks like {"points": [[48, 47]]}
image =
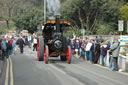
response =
{"points": [[53, 5]]}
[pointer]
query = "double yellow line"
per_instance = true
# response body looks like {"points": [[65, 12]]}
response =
{"points": [[9, 68]]}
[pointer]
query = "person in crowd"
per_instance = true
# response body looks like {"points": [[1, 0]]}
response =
{"points": [[82, 51], [115, 48], [3, 47], [88, 51], [80, 45], [100, 40], [108, 44], [14, 46], [35, 43], [29, 41], [26, 40], [104, 49], [11, 42], [68, 40], [81, 42], [111, 64], [93, 49], [96, 38], [9, 48], [21, 44], [76, 44], [72, 47], [97, 52]]}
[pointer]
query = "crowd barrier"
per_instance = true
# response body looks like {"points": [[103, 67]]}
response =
{"points": [[122, 62]]}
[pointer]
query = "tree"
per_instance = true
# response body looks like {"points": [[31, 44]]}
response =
{"points": [[29, 20], [6, 7], [124, 13], [89, 13], [124, 16]]}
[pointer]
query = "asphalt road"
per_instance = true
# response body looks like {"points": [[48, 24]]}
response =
{"points": [[28, 71]]}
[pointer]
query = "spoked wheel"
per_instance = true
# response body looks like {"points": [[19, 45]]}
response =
{"points": [[46, 54], [69, 55], [40, 49]]}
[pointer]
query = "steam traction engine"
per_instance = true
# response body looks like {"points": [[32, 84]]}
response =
{"points": [[52, 43]]}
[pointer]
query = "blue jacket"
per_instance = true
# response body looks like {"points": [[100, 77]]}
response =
{"points": [[14, 44]]}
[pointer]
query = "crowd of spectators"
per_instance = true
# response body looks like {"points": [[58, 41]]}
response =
{"points": [[92, 49], [10, 43], [88, 49]]}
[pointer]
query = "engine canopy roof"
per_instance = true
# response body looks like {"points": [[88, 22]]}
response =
{"points": [[53, 23]]}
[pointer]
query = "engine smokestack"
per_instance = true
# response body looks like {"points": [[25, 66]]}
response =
{"points": [[58, 23]]}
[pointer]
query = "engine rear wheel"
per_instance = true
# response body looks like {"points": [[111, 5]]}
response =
{"points": [[69, 55], [65, 44], [40, 48], [46, 54]]}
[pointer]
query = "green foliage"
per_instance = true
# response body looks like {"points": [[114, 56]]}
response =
{"points": [[87, 14], [71, 30], [3, 30], [124, 13], [124, 16], [29, 20], [103, 28]]}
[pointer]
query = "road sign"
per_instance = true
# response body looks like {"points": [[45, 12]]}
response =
{"points": [[82, 31], [120, 25]]}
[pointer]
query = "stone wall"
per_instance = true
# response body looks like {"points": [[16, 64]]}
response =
{"points": [[3, 24], [105, 37]]}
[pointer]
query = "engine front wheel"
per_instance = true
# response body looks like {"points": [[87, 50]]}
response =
{"points": [[69, 55], [46, 54]]}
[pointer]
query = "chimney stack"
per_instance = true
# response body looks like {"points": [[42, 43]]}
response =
{"points": [[58, 23]]}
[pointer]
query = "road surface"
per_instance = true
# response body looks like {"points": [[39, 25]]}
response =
{"points": [[24, 69]]}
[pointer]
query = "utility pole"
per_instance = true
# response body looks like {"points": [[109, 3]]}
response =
{"points": [[44, 10]]}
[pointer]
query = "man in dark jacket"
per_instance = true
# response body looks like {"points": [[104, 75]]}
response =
{"points": [[8, 50], [21, 44], [104, 49], [97, 52], [93, 49]]}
